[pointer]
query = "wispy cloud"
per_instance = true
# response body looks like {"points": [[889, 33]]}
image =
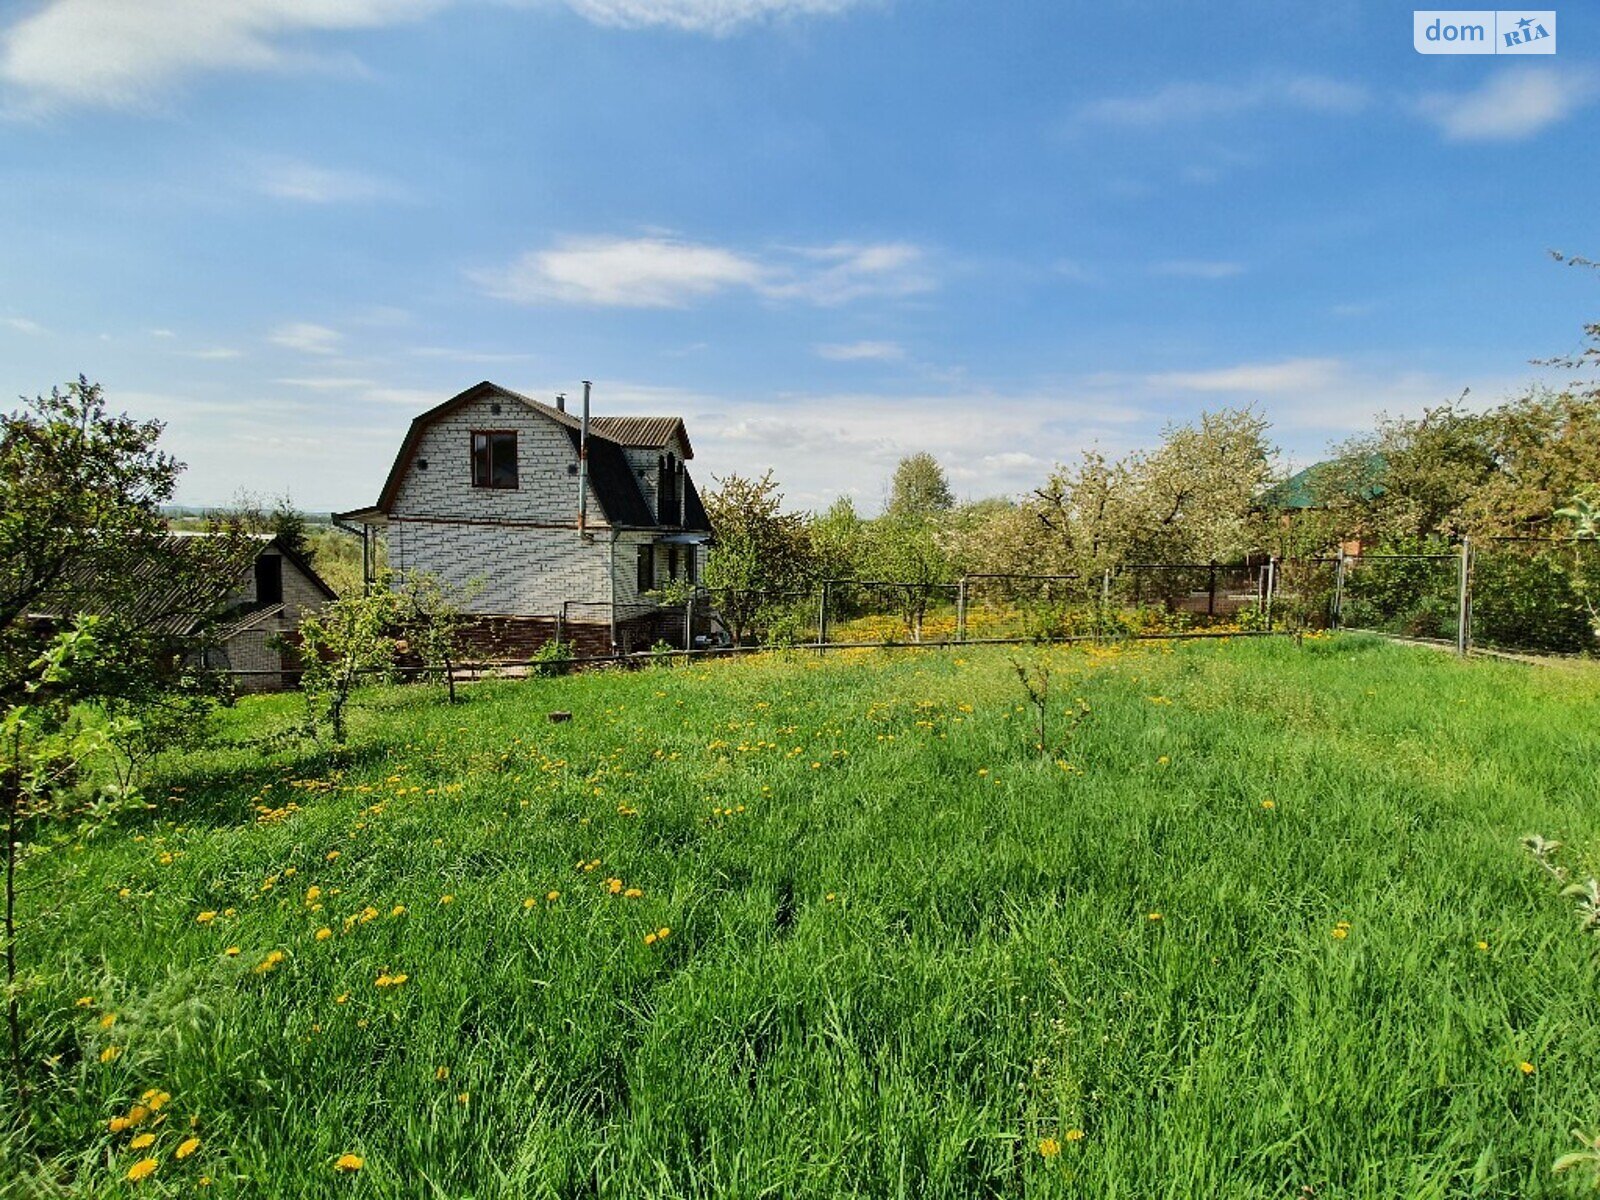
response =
{"points": [[120, 53], [22, 325], [328, 383], [669, 272], [306, 338], [1513, 104], [211, 353], [307, 183], [1195, 268], [1190, 102], [860, 351], [1287, 375]]}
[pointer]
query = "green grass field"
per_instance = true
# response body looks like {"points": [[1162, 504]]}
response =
{"points": [[1257, 924]]}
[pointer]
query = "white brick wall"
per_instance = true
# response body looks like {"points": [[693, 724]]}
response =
{"points": [[545, 492]]}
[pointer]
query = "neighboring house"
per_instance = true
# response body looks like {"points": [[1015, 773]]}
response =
{"points": [[1328, 486], [277, 589], [273, 588], [492, 493]]}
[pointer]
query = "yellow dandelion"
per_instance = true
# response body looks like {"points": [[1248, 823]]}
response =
{"points": [[331, 855], [324, 934], [441, 1074], [186, 1147], [341, 998], [84, 1001], [349, 1162], [142, 1168], [109, 1053], [463, 1098], [1340, 933], [1049, 1147], [399, 910], [1163, 760], [633, 893], [1155, 916], [206, 917], [649, 939], [552, 897], [270, 962], [156, 1099], [447, 898], [232, 952], [1269, 804], [1527, 1068], [312, 893], [107, 1021], [663, 932], [529, 902], [143, 1140], [1074, 1135]]}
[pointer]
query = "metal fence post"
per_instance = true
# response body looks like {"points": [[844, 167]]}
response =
{"points": [[1105, 605], [688, 622], [822, 616], [1464, 599], [1211, 591], [1337, 615], [1272, 586], [961, 609]]}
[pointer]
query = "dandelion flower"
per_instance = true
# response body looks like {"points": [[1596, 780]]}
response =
{"points": [[186, 1147], [441, 1074], [1483, 945], [349, 1162], [107, 1021], [109, 1053], [312, 893], [1163, 760], [552, 897], [331, 855], [633, 893], [464, 1098], [324, 934], [447, 899], [142, 1168], [84, 1001], [1340, 933], [156, 1099], [1269, 804], [529, 902], [649, 939], [1049, 1147], [270, 962], [1155, 916], [1074, 1135], [206, 917], [143, 1140], [341, 998], [399, 910], [663, 932], [1526, 1068]]}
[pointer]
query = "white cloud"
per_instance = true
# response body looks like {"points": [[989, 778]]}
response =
{"points": [[701, 16], [126, 53], [306, 183], [328, 383], [1182, 102], [22, 325], [1513, 104], [860, 351], [647, 272], [211, 353], [306, 337], [1191, 268], [667, 272], [1288, 375]]}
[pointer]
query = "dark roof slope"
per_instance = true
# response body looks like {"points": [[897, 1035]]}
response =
{"points": [[1319, 483], [695, 519], [611, 476]]}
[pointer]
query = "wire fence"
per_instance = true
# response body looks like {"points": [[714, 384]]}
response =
{"points": [[1524, 595]]}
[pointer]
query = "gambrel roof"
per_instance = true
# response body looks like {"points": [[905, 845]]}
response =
{"points": [[622, 503]]}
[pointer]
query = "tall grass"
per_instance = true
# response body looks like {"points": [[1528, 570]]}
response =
{"points": [[1256, 924]]}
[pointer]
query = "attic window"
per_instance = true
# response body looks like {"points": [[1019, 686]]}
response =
{"points": [[494, 459]]}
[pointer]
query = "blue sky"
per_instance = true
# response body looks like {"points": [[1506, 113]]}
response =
{"points": [[826, 232]]}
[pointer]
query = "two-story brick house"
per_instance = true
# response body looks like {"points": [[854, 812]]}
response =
{"points": [[563, 525]]}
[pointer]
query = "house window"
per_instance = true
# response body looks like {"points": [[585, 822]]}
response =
{"points": [[672, 562], [269, 579], [494, 459], [691, 567], [647, 569]]}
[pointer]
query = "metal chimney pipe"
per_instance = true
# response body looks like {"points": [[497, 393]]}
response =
{"points": [[561, 402], [583, 465]]}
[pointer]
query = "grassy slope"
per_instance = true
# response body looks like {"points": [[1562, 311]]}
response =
{"points": [[986, 973]]}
